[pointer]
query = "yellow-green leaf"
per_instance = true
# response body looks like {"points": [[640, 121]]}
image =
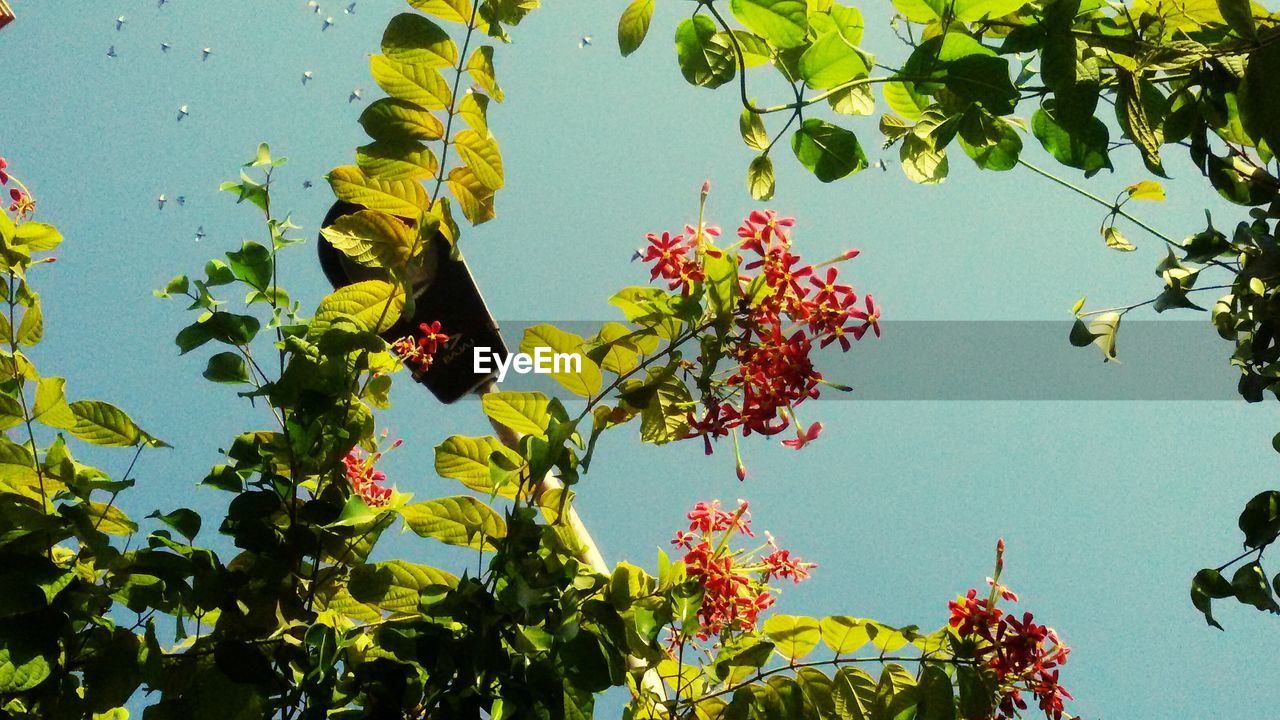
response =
{"points": [[397, 160], [102, 423], [522, 412], [396, 585], [553, 349], [373, 305], [474, 197], [795, 636], [466, 459], [396, 119], [634, 25], [1146, 190], [110, 519], [420, 84], [411, 38], [37, 237], [31, 329], [459, 520], [481, 68], [403, 198], [458, 11], [480, 152], [373, 238], [1116, 239], [843, 634]]}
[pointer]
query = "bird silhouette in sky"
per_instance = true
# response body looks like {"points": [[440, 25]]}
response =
{"points": [[351, 9], [306, 184], [585, 41], [205, 53], [160, 201], [182, 200], [161, 3], [120, 21], [111, 51], [183, 112], [306, 77], [164, 47], [200, 234], [328, 23], [315, 6], [356, 94]]}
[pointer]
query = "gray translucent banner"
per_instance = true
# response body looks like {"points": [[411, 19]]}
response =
{"points": [[999, 360]]}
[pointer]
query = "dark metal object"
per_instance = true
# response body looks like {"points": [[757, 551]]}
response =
{"points": [[444, 291]]}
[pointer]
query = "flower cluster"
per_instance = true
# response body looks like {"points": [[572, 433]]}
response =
{"points": [[735, 583], [418, 352], [366, 481], [789, 308], [21, 200], [1023, 655]]}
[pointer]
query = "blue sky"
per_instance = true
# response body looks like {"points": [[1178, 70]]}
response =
{"points": [[1108, 508]]}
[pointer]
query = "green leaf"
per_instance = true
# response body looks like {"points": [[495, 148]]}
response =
{"points": [[252, 265], [922, 162], [459, 520], [706, 57], [31, 328], [411, 38], [17, 466], [11, 414], [480, 152], [25, 656], [400, 120], [373, 305], [402, 198], [853, 100], [830, 152], [1260, 106], [795, 636], [844, 634], [561, 346], [396, 585], [831, 61], [1251, 587], [854, 693], [374, 239], [397, 160], [937, 699], [524, 413], [420, 84], [227, 367], [634, 25], [753, 131], [760, 178], [104, 424], [110, 519], [185, 521], [1084, 148], [1260, 520], [997, 147], [783, 23], [1206, 586]]}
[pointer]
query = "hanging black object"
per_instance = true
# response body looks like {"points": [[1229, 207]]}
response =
{"points": [[446, 292]]}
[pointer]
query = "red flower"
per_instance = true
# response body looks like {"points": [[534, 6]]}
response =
{"points": [[870, 319], [4, 176], [366, 482], [431, 338], [779, 564]]}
